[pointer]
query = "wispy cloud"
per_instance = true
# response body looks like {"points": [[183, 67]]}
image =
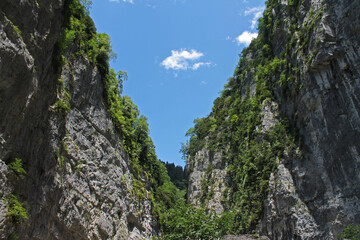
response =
{"points": [[184, 60], [245, 38], [199, 64], [256, 12], [129, 1], [150, 6]]}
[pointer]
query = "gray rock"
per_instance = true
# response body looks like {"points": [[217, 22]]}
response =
{"points": [[78, 183], [323, 187], [197, 175], [317, 195]]}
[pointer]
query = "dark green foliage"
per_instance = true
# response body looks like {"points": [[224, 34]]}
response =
{"points": [[16, 209], [351, 232], [251, 156], [186, 222], [177, 175], [266, 24], [14, 236], [80, 36], [17, 167], [234, 128]]}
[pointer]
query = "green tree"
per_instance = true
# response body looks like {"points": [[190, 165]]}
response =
{"points": [[352, 232], [122, 76], [186, 222]]}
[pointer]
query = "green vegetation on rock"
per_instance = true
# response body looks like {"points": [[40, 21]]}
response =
{"points": [[351, 232], [234, 128], [17, 167], [62, 104], [16, 29], [80, 39], [16, 209]]}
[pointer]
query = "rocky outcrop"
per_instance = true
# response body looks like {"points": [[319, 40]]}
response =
{"points": [[313, 194], [27, 88], [78, 183], [316, 196], [207, 176]]}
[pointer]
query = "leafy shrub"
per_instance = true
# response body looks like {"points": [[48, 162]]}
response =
{"points": [[186, 222], [16, 208], [17, 167], [62, 106], [352, 232]]}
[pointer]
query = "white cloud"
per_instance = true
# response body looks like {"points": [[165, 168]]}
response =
{"points": [[183, 60], [129, 1], [245, 38], [199, 64], [256, 12]]}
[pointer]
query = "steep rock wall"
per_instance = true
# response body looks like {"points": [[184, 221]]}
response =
{"points": [[27, 86], [78, 183], [314, 193], [326, 112], [206, 181]]}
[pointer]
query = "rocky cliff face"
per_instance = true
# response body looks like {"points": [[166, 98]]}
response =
{"points": [[78, 183], [314, 190], [303, 69], [207, 181], [323, 191]]}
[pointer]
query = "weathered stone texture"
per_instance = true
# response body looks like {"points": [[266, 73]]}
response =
{"points": [[197, 178], [316, 195], [78, 183]]}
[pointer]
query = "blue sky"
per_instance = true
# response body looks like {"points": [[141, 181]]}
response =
{"points": [[178, 55]]}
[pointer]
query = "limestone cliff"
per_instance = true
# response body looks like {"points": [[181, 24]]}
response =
{"points": [[54, 120], [303, 69]]}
